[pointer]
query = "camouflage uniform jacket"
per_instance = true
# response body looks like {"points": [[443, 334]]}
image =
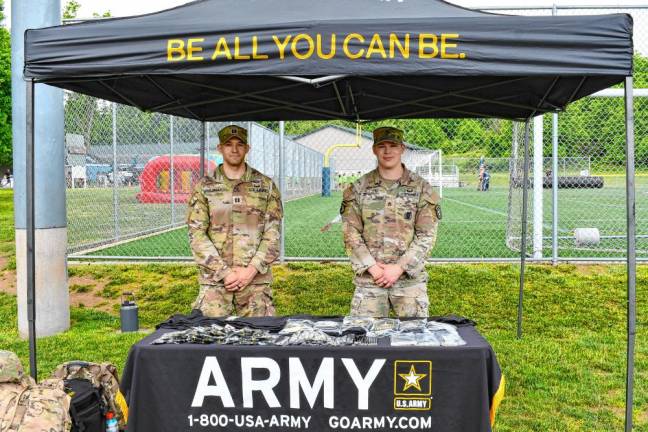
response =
{"points": [[394, 225], [234, 223]]}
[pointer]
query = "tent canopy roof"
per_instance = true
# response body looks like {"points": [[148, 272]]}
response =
{"points": [[356, 60]]}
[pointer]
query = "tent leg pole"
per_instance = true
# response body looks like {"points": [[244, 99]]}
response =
{"points": [[523, 244], [631, 253], [31, 227], [554, 190]]}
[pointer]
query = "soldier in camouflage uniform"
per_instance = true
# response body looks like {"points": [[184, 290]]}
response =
{"points": [[234, 220], [390, 217]]}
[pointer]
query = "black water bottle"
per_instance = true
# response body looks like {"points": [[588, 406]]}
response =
{"points": [[128, 313]]}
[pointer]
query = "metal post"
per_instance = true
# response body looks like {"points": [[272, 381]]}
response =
{"points": [[31, 230], [203, 138], [282, 189], [525, 199], [538, 193], [554, 188], [252, 147], [632, 252], [207, 140], [115, 174], [440, 173], [515, 146], [172, 169], [263, 152]]}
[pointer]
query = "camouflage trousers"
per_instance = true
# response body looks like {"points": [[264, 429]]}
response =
{"points": [[407, 300], [253, 300]]}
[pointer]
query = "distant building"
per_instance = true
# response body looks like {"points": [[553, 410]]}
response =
{"points": [[350, 160]]}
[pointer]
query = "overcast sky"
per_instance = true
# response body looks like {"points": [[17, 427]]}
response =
{"points": [[137, 7]]}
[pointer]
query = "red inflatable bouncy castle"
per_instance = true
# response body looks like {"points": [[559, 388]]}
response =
{"points": [[155, 181]]}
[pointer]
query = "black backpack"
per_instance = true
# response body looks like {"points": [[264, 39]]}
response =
{"points": [[86, 408]]}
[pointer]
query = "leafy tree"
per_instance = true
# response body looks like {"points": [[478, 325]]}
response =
{"points": [[71, 9], [81, 111], [5, 96]]}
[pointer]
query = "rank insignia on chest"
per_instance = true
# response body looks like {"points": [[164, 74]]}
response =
{"points": [[408, 215], [237, 199]]}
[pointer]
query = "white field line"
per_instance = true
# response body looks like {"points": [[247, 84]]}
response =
{"points": [[497, 212]]}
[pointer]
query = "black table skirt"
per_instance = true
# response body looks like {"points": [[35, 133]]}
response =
{"points": [[241, 388]]}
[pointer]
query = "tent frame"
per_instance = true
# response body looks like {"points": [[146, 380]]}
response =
{"points": [[350, 104]]}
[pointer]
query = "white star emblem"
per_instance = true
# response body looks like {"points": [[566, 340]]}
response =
{"points": [[412, 379]]}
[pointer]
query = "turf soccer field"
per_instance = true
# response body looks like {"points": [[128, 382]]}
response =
{"points": [[473, 226]]}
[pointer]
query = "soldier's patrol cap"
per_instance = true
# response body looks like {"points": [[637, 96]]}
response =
{"points": [[229, 132], [387, 133]]}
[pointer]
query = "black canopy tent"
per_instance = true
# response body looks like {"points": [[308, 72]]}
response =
{"points": [[215, 60]]}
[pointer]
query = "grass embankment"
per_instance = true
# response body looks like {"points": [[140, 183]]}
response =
{"points": [[566, 374]]}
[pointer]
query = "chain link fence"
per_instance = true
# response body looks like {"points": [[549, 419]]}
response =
{"points": [[130, 173], [129, 176]]}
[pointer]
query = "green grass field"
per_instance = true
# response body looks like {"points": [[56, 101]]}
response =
{"points": [[473, 226], [566, 374]]}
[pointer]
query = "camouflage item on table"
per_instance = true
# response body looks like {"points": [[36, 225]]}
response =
{"points": [[253, 300], [315, 337], [234, 223], [215, 334]]}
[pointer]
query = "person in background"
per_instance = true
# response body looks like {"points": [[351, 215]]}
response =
{"points": [[7, 180]]}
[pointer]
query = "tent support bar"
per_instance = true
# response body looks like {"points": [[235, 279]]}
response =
{"points": [[438, 94], [430, 109], [525, 199], [352, 101], [121, 96], [545, 96], [259, 100], [221, 99], [239, 116], [31, 228], [314, 81], [55, 81], [339, 98], [576, 90], [172, 99], [632, 251]]}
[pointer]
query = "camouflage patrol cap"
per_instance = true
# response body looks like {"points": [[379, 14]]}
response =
{"points": [[229, 132], [11, 369], [387, 133]]}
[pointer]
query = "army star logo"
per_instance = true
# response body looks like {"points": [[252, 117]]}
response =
{"points": [[413, 385], [412, 379]]}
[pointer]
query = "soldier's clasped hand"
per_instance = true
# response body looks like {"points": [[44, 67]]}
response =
{"points": [[245, 275], [391, 273], [232, 281]]}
